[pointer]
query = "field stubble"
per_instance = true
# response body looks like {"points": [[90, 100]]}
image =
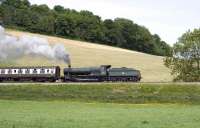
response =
{"points": [[88, 54]]}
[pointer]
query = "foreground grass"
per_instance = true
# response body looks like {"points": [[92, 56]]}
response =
{"points": [[112, 93], [62, 114]]}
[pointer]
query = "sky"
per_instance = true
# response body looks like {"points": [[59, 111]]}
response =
{"points": [[167, 18]]}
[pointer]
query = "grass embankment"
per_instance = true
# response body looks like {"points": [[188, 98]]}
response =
{"points": [[59, 114], [112, 93]]}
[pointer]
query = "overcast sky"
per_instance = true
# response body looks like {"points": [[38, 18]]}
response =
{"points": [[168, 18]]}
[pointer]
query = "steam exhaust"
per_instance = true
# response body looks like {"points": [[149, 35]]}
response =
{"points": [[12, 48]]}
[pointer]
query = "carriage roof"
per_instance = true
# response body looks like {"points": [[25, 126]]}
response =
{"points": [[28, 67]]}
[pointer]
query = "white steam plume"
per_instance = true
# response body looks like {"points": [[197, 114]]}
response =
{"points": [[13, 48]]}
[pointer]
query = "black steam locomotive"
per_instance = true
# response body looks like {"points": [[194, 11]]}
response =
{"points": [[52, 74]]}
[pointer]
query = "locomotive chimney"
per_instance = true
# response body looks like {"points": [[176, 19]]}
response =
{"points": [[69, 64]]}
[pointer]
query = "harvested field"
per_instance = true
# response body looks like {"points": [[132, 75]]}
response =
{"points": [[88, 54]]}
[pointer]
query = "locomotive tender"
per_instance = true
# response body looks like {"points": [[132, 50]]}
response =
{"points": [[52, 74]]}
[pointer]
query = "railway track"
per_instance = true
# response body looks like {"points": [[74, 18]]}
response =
{"points": [[99, 83]]}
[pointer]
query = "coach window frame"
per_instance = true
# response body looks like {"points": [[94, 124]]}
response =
{"points": [[3, 71], [52, 71], [42, 71], [20, 71], [48, 71], [34, 71], [10, 71], [27, 71], [15, 71]]}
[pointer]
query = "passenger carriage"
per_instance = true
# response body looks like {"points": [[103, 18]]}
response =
{"points": [[37, 74]]}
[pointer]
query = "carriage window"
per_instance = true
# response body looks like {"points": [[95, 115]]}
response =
{"points": [[47, 70], [20, 71], [35, 71], [3, 71], [9, 71], [15, 71], [42, 71], [27, 71]]}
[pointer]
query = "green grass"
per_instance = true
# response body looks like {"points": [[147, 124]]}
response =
{"points": [[109, 93], [100, 106], [62, 114]]}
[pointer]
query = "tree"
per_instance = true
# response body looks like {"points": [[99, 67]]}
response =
{"points": [[59, 9], [136, 37], [15, 12], [17, 3], [161, 47], [64, 26], [22, 18], [82, 25], [185, 60]]}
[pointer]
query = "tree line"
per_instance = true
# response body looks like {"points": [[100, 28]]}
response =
{"points": [[81, 25], [185, 60]]}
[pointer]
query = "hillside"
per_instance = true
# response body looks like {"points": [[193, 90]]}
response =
{"points": [[88, 54]]}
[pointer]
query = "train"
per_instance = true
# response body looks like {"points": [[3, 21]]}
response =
{"points": [[103, 73]]}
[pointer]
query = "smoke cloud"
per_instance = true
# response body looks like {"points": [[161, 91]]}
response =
{"points": [[14, 48]]}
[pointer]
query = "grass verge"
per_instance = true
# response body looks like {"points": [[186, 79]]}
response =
{"points": [[109, 93]]}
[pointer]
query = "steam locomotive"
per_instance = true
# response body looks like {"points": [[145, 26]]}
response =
{"points": [[103, 73]]}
